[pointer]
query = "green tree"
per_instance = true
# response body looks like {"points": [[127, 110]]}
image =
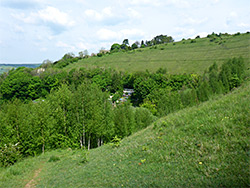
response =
{"points": [[134, 46], [125, 42], [124, 120], [115, 47], [142, 44], [143, 118], [60, 101]]}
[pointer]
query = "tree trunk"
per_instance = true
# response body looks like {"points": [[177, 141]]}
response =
{"points": [[89, 142], [98, 142], [83, 137], [43, 147], [43, 141], [101, 141], [81, 141]]}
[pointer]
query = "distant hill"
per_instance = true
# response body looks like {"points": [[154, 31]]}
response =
{"points": [[7, 67], [186, 56]]}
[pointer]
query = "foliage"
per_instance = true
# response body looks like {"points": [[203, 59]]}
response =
{"points": [[143, 118], [67, 59], [53, 158], [9, 154], [115, 47], [116, 142]]}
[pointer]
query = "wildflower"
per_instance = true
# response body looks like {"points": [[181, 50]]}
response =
{"points": [[139, 163], [200, 163]]}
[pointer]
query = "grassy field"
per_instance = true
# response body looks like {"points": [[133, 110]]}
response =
{"points": [[178, 57], [202, 146]]}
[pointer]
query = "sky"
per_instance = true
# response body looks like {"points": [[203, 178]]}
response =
{"points": [[32, 31]]}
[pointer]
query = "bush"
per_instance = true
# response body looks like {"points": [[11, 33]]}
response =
{"points": [[84, 157], [9, 154], [115, 142], [53, 159]]}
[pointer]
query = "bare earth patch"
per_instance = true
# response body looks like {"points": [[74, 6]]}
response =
{"points": [[33, 181]]}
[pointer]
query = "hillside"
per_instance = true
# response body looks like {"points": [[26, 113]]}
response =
{"points": [[187, 56], [202, 146]]}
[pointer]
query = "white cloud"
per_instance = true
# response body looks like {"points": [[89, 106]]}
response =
{"points": [[26, 19], [233, 14], [94, 14], [244, 25], [157, 3], [81, 45], [43, 49], [133, 13], [231, 19], [53, 15], [189, 20], [178, 3], [18, 29], [132, 33], [183, 33], [66, 47], [107, 35], [107, 16], [146, 2], [99, 16]]}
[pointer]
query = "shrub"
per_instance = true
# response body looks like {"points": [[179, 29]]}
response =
{"points": [[53, 159], [115, 142], [84, 156], [9, 154], [99, 54]]}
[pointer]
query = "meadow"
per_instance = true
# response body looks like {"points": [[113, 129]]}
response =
{"points": [[187, 56], [200, 146]]}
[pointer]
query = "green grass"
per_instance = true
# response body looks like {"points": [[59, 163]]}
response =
{"points": [[202, 146], [183, 57]]}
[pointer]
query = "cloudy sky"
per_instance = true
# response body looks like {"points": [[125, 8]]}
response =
{"points": [[35, 30]]}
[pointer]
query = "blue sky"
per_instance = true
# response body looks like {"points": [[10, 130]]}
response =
{"points": [[35, 30]]}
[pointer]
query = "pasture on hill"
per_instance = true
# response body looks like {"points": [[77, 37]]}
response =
{"points": [[186, 56], [201, 146]]}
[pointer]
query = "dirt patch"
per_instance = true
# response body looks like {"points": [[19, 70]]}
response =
{"points": [[33, 181]]}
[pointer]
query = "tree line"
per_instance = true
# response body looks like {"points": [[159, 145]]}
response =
{"points": [[68, 117]]}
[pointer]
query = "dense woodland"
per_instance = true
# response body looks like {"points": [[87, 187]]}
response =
{"points": [[41, 111]]}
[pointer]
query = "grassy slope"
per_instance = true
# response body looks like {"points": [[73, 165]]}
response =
{"points": [[203, 146], [178, 58]]}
